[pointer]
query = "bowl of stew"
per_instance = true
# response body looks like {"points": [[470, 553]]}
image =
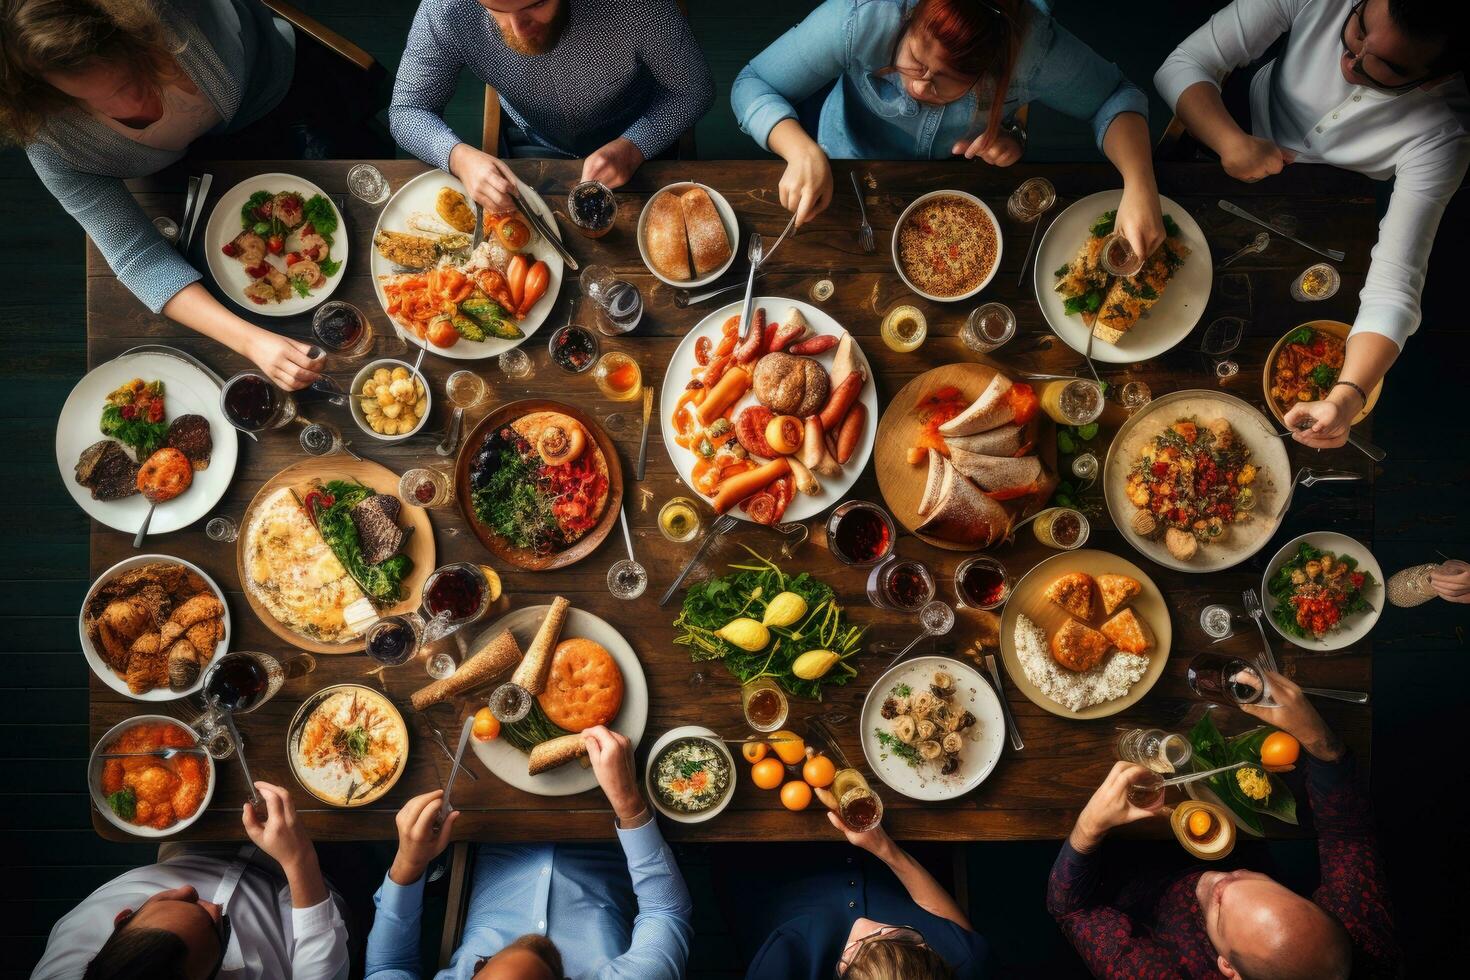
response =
{"points": [[1305, 364], [690, 774]]}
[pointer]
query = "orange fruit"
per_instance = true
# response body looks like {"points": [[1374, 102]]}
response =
{"points": [[819, 771], [796, 795], [753, 751], [789, 746], [767, 773], [1200, 822], [1279, 750], [487, 726]]}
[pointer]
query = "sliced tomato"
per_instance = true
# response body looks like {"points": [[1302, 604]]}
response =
{"points": [[702, 347], [760, 507], [784, 489]]}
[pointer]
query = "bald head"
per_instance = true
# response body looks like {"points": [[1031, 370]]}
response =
{"points": [[1263, 930]]}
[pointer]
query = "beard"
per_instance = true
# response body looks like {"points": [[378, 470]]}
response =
{"points": [[550, 34]]}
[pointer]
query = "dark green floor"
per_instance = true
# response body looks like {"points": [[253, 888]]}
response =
{"points": [[51, 858]]}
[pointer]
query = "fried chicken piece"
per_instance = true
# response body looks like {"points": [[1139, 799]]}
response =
{"points": [[147, 664], [183, 664], [156, 599], [126, 617], [197, 609], [409, 251], [154, 783], [204, 636], [112, 648]]}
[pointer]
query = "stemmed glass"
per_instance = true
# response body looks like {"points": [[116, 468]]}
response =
{"points": [[1221, 338], [937, 618]]}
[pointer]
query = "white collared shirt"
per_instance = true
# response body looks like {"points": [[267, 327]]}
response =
{"points": [[269, 940], [1301, 102]]}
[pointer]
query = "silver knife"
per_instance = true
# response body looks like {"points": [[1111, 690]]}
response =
{"points": [[1036, 236], [546, 232], [438, 738], [187, 234], [683, 299], [182, 355], [479, 225], [1332, 253], [1005, 707], [189, 198], [464, 739]]}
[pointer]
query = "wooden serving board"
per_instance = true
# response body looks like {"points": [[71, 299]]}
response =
{"points": [[1029, 598], [902, 482], [419, 545], [499, 546]]}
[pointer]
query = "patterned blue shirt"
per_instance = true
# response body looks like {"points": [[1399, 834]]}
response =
{"points": [[621, 68], [613, 916]]}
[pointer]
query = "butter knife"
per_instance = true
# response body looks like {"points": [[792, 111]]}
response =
{"points": [[186, 234], [550, 235], [183, 355], [464, 739], [1005, 707], [189, 199], [643, 439], [1335, 255]]}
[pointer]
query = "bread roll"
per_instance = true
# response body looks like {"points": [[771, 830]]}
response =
{"points": [[709, 244], [791, 385], [531, 674], [555, 752], [665, 240]]}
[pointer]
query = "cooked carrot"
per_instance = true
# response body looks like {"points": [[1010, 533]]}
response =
{"points": [[736, 488], [840, 401], [538, 277], [851, 431], [724, 394], [515, 275]]}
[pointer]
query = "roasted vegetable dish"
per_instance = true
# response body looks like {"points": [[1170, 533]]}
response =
{"points": [[1315, 590]]}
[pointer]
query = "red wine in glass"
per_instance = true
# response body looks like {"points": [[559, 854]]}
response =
{"points": [[238, 682]]}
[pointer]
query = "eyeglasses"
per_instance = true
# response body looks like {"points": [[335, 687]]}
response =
{"points": [[907, 935], [1356, 21], [944, 87]]}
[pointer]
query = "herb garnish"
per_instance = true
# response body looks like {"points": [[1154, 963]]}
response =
{"points": [[903, 750], [123, 803]]}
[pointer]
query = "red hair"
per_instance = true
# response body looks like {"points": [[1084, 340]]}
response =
{"points": [[980, 38]]}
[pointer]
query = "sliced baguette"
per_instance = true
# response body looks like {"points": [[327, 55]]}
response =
{"points": [[536, 664], [664, 238], [490, 661], [555, 752]]}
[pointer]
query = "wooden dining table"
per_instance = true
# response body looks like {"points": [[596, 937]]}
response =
{"points": [[1031, 794]]}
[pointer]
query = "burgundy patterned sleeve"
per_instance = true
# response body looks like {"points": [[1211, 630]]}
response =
{"points": [[1354, 887], [1104, 936]]}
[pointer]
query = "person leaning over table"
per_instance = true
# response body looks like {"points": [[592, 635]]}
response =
{"points": [[1240, 923], [854, 918], [612, 81], [918, 80], [98, 91], [546, 911], [264, 911], [1373, 86]]}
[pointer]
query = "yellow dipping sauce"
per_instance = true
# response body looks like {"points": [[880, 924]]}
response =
{"points": [[904, 328]]}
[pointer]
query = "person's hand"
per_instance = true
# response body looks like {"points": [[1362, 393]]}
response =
{"points": [[806, 185], [1110, 807], [613, 163], [611, 755], [1452, 581], [288, 363], [1250, 158], [419, 842], [280, 835], [487, 178], [1294, 715], [1330, 420], [1002, 152], [876, 841], [1140, 219]]}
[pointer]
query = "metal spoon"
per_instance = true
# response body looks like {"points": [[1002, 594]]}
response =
{"points": [[143, 528], [164, 753], [1257, 244], [937, 618]]}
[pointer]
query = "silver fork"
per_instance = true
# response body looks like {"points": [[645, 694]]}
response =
{"points": [[865, 233], [1257, 614], [724, 525]]}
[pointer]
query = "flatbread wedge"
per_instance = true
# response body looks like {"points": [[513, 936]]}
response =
{"points": [[1116, 590], [536, 664], [1004, 476], [991, 410], [1129, 298], [1074, 592], [963, 514], [1128, 632]]}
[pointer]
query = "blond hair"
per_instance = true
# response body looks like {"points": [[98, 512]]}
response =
{"points": [[39, 36], [887, 958]]}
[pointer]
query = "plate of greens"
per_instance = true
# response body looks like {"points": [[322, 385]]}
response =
{"points": [[276, 245], [1249, 793], [761, 621], [1323, 591]]}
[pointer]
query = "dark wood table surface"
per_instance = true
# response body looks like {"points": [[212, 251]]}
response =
{"points": [[1032, 794]]}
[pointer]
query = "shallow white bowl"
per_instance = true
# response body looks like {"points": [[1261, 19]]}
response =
{"points": [[688, 731], [727, 216], [999, 244], [1353, 628], [94, 781], [356, 403]]}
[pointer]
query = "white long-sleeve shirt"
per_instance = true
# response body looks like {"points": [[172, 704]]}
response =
{"points": [[1301, 102], [269, 940]]}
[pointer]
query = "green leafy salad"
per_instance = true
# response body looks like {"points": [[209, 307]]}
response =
{"points": [[332, 510], [762, 622], [1268, 794]]}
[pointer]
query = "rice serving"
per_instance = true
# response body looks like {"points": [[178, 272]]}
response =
{"points": [[1075, 690]]}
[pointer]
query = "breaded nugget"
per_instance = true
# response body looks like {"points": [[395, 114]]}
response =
{"points": [[455, 210]]}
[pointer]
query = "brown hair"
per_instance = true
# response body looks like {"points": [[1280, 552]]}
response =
{"points": [[39, 36], [139, 954], [980, 38], [887, 958]]}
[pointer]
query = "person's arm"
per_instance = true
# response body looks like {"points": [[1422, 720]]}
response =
{"points": [[1388, 306], [158, 275], [393, 942], [922, 887], [428, 74], [318, 934], [1189, 81], [675, 63]]}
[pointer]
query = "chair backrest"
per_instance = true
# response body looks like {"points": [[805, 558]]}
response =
{"points": [[490, 119], [323, 34]]}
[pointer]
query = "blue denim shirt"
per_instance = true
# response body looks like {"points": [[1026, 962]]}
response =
{"points": [[871, 116]]}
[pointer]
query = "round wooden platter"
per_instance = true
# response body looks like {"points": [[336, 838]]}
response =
{"points": [[902, 482], [1029, 598], [419, 545], [499, 546]]}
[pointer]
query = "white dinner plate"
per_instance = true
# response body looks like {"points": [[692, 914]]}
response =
{"points": [[509, 762], [186, 391], [109, 676], [1172, 317], [225, 223], [417, 196], [983, 742], [1355, 626], [683, 363]]}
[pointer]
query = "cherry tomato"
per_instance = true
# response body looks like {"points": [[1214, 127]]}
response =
{"points": [[513, 233], [702, 347], [442, 333]]}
